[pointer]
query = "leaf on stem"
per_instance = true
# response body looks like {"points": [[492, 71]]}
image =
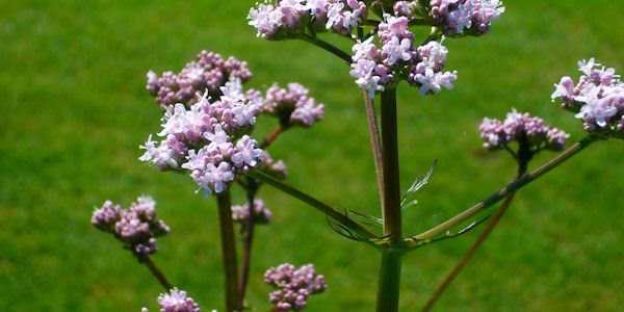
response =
{"points": [[345, 231], [407, 200], [371, 221]]}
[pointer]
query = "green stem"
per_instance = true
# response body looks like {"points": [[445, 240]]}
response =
{"points": [[390, 270], [249, 225], [156, 272], [375, 141], [389, 282], [390, 160], [329, 211], [525, 155], [327, 47], [502, 193], [446, 282], [228, 250]]}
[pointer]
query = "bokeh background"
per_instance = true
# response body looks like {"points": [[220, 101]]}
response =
{"points": [[74, 111]]}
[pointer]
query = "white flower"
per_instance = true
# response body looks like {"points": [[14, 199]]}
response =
{"points": [[397, 50], [265, 19], [246, 154]]}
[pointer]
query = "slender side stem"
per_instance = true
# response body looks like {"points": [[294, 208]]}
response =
{"points": [[156, 272], [228, 250], [468, 255], [375, 141], [502, 193], [329, 211], [271, 137], [389, 282], [248, 240], [390, 270], [327, 47], [391, 186], [525, 155]]}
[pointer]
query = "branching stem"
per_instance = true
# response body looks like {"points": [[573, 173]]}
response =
{"points": [[329, 211], [503, 192], [524, 156], [327, 47]]}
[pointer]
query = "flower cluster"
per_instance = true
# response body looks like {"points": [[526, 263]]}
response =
{"points": [[137, 227], [207, 73], [472, 16], [519, 127], [176, 301], [375, 68], [597, 98], [292, 105], [261, 214], [205, 138], [389, 54], [289, 18], [294, 286]]}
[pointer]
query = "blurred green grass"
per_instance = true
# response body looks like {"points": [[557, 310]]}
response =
{"points": [[74, 111]]}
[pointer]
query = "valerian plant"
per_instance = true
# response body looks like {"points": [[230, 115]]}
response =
{"points": [[209, 119]]}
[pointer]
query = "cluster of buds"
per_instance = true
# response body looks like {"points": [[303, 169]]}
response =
{"points": [[176, 301], [456, 17], [261, 214], [207, 73], [136, 227], [375, 68], [523, 129], [293, 106], [289, 18], [294, 286], [597, 98], [275, 168]]}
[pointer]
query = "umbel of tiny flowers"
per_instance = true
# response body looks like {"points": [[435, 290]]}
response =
{"points": [[261, 214], [597, 98], [136, 227], [517, 127], [207, 134], [176, 300], [207, 73], [293, 286], [389, 54], [206, 139]]}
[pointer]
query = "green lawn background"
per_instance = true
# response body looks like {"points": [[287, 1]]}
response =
{"points": [[74, 111]]}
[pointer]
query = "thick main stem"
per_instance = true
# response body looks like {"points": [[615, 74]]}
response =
{"points": [[228, 250], [390, 270], [390, 146], [389, 282]]}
